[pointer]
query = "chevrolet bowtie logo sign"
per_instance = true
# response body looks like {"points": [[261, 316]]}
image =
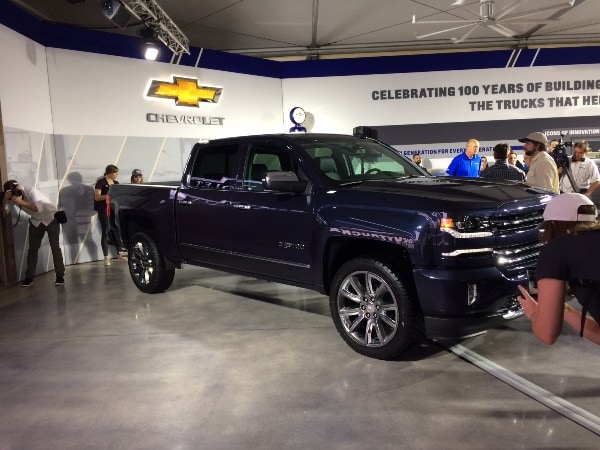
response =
{"points": [[185, 91]]}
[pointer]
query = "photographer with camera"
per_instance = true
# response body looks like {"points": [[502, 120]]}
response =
{"points": [[542, 170], [583, 171], [42, 221]]}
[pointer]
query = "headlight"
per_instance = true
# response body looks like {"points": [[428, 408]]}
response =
{"points": [[466, 227]]}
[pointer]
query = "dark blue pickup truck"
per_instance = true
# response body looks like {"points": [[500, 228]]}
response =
{"points": [[401, 254]]}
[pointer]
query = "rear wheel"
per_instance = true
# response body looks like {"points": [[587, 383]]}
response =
{"points": [[373, 310], [147, 266]]}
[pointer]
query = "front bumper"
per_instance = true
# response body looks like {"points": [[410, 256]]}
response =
{"points": [[448, 311], [461, 327]]}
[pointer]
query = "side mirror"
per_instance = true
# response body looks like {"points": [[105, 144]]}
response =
{"points": [[284, 182]]}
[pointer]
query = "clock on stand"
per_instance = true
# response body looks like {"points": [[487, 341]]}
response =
{"points": [[297, 116]]}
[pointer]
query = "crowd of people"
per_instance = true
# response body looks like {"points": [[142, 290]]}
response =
{"points": [[539, 168]]}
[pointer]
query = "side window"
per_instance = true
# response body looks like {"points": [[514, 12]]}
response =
{"points": [[325, 161], [215, 167], [262, 159]]}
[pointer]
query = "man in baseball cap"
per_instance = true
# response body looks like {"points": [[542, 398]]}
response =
{"points": [[542, 170], [536, 136]]}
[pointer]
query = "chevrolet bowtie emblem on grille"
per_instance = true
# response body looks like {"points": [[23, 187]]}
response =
{"points": [[185, 91]]}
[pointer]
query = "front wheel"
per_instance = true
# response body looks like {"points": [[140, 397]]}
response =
{"points": [[373, 310], [147, 266]]}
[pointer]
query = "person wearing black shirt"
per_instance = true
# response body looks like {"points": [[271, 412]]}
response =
{"points": [[502, 170], [100, 192], [571, 237]]}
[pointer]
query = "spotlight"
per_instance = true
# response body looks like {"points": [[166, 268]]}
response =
{"points": [[150, 50], [149, 45], [114, 11]]}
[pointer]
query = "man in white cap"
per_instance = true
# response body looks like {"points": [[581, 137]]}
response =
{"points": [[571, 234], [542, 170]]}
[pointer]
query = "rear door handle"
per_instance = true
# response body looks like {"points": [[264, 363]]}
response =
{"points": [[241, 205]]}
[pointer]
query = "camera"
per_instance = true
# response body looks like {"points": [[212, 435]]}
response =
{"points": [[559, 154], [14, 189]]}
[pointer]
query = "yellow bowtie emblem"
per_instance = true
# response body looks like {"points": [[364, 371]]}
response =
{"points": [[185, 91]]}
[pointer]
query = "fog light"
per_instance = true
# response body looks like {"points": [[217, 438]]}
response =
{"points": [[471, 293]]}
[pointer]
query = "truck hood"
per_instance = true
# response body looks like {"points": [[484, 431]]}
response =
{"points": [[444, 192]]}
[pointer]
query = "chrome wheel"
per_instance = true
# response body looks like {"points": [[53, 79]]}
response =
{"points": [[147, 266], [374, 308], [368, 309], [142, 264]]}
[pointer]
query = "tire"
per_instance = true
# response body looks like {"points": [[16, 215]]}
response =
{"points": [[373, 310], [147, 266]]}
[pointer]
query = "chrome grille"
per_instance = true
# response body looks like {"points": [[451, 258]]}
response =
{"points": [[516, 222], [517, 258]]}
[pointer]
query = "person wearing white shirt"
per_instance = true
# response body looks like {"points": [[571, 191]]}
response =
{"points": [[584, 171], [542, 168], [41, 221]]}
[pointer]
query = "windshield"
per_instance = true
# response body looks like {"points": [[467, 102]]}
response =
{"points": [[353, 159]]}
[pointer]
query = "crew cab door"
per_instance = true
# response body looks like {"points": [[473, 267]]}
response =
{"points": [[203, 206], [271, 231]]}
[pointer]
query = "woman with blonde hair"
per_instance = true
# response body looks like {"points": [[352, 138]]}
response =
{"points": [[569, 257]]}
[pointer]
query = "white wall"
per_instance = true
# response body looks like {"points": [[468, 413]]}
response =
{"points": [[106, 95], [24, 83]]}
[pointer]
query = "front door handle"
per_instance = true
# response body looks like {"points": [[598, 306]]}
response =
{"points": [[241, 205]]}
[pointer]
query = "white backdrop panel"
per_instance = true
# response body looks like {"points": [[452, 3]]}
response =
{"points": [[106, 95], [24, 83]]}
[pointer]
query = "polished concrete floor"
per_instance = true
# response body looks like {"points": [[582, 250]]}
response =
{"points": [[225, 362]]}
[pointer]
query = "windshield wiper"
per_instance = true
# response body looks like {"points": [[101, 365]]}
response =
{"points": [[407, 177], [350, 183]]}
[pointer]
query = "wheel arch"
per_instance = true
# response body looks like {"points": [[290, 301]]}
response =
{"points": [[130, 224], [339, 250]]}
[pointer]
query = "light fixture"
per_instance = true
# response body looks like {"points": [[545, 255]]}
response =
{"points": [[150, 50], [149, 44], [154, 17], [148, 12]]}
